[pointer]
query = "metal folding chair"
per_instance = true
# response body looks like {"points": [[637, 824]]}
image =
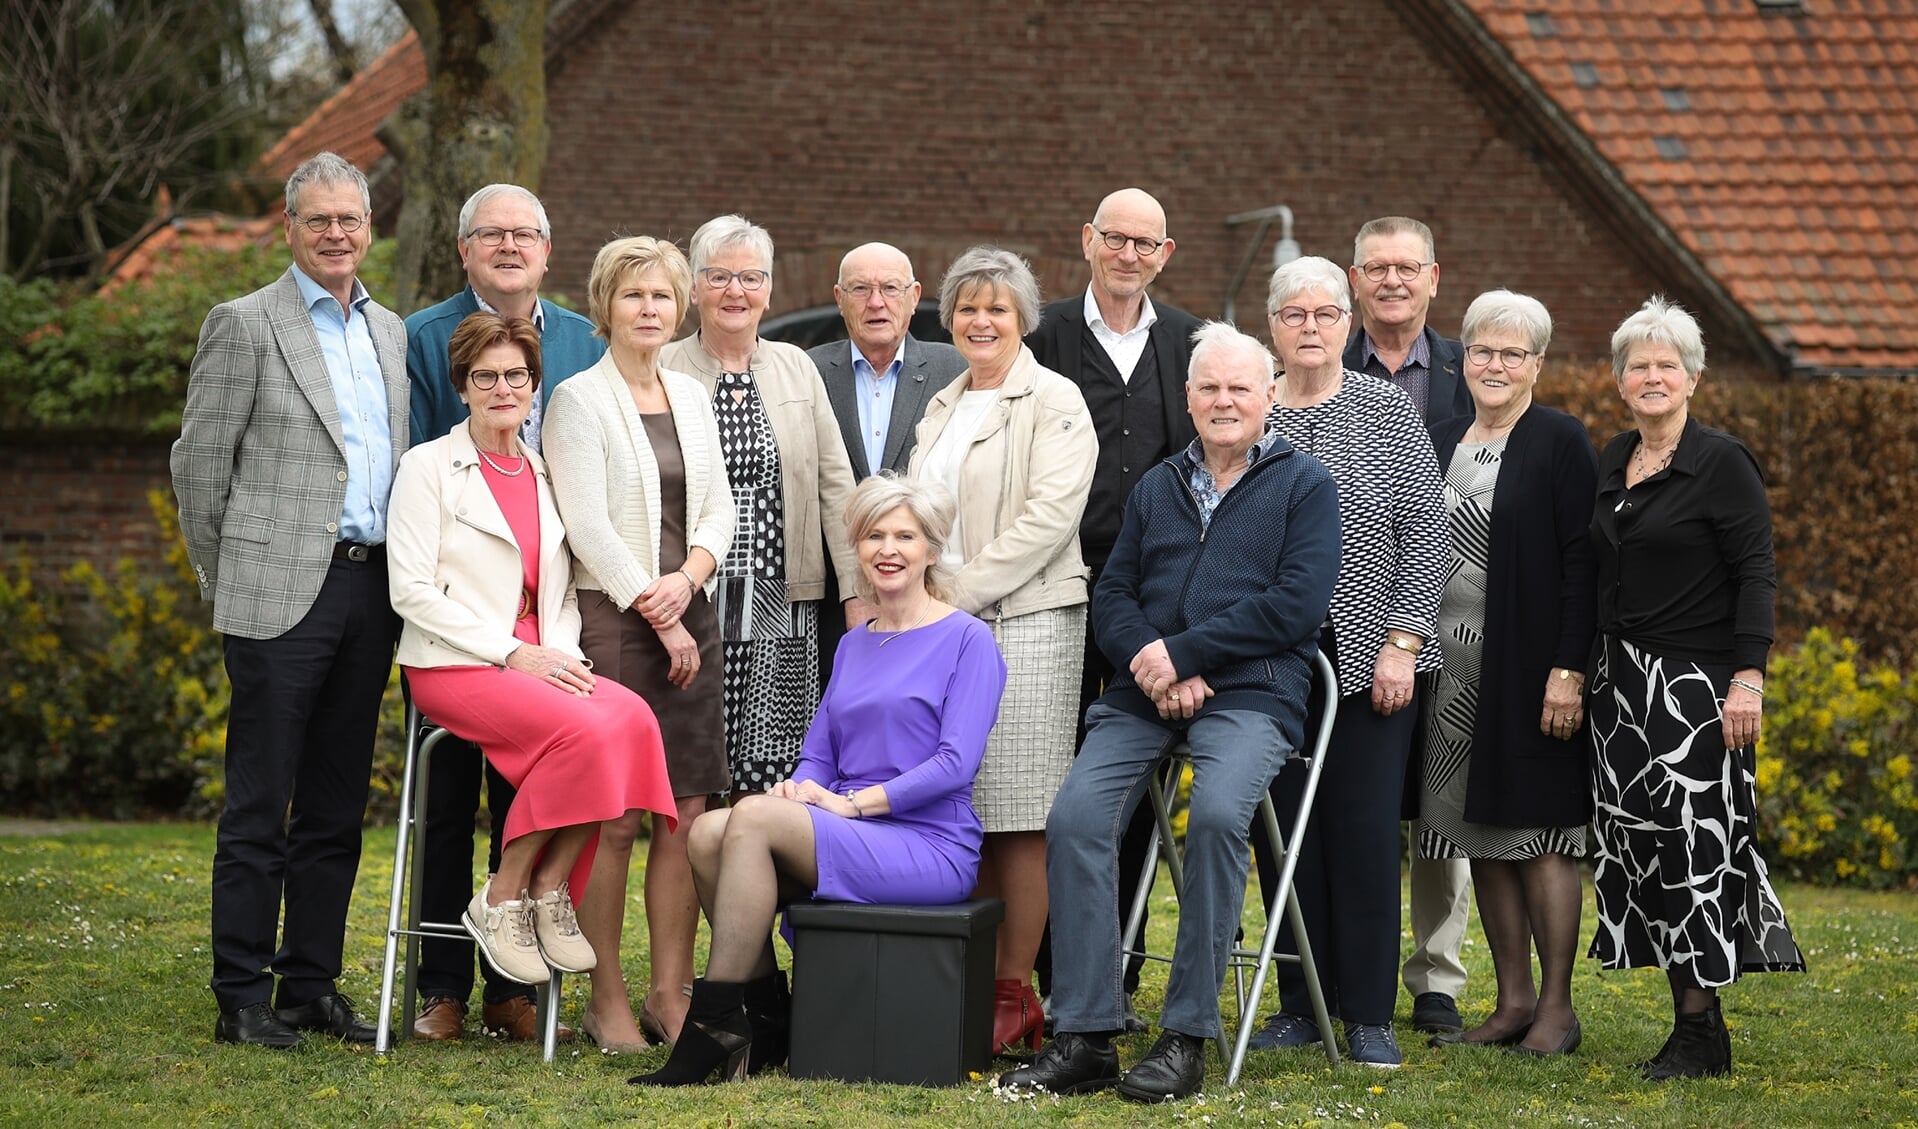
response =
{"points": [[422, 736], [1284, 899]]}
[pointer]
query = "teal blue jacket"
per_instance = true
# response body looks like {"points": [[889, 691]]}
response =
{"points": [[566, 346]]}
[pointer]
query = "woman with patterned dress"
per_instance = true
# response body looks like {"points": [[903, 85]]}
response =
{"points": [[1682, 535], [790, 476], [481, 574], [640, 482], [1504, 780], [1014, 442], [1393, 548], [880, 808]]}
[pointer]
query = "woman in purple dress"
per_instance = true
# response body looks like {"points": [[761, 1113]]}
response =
{"points": [[880, 806]]}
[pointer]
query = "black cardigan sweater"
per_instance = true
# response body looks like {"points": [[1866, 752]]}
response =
{"points": [[1540, 611]]}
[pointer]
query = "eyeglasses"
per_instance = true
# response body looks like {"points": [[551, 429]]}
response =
{"points": [[494, 236], [318, 225], [719, 278], [484, 378], [891, 290], [1481, 355], [1407, 271], [1295, 316], [1144, 245]]}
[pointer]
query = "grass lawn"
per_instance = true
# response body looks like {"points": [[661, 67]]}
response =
{"points": [[105, 1020]]}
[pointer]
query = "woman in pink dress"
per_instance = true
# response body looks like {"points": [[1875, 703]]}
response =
{"points": [[491, 651]]}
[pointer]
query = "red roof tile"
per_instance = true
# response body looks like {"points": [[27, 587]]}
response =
{"points": [[145, 254], [1801, 150], [346, 122]]}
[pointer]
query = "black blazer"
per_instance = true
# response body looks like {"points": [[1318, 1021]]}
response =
{"points": [[1061, 336], [1446, 397], [1540, 613]]}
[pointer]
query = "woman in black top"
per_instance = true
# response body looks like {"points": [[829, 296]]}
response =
{"points": [[1682, 536], [1504, 779]]}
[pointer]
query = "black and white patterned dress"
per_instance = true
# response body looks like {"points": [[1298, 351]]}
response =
{"points": [[1443, 830], [770, 645]]}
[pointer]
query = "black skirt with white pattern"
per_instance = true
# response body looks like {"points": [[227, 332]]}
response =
{"points": [[1679, 880]]}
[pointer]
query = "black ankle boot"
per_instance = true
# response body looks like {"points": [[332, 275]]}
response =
{"points": [[716, 1037], [1700, 1047], [769, 1009]]}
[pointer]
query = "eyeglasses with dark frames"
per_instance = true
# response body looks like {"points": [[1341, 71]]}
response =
{"points": [[719, 278], [484, 378], [494, 236], [1481, 355], [1145, 245], [1295, 316], [318, 225]]}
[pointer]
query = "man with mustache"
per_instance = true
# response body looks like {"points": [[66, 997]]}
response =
{"points": [[504, 242]]}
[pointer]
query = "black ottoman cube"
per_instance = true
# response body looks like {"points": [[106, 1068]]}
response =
{"points": [[893, 993]]}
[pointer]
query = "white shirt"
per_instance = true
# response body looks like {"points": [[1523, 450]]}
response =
{"points": [[1125, 349], [948, 454]]}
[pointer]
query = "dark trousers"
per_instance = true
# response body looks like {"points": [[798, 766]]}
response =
{"points": [[452, 801], [300, 731], [1133, 845], [1348, 874]]}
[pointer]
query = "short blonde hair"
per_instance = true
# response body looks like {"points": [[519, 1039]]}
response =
{"points": [[626, 257], [1005, 272], [929, 503]]}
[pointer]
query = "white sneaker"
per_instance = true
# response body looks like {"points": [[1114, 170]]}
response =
{"points": [[560, 940], [506, 936]]}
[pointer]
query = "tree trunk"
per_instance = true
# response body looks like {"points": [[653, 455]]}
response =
{"points": [[480, 120], [344, 64]]}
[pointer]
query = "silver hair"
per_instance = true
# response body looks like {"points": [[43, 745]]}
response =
{"points": [[721, 232], [1502, 310], [474, 202], [1310, 273], [1392, 225], [1659, 321], [1220, 339], [998, 268], [327, 168], [929, 503]]}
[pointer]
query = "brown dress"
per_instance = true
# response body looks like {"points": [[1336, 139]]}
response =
{"points": [[625, 648]]}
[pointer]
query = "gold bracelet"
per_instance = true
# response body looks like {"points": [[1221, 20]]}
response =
{"points": [[1403, 643]]}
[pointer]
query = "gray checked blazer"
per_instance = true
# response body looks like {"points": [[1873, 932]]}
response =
{"points": [[259, 468], [927, 367]]}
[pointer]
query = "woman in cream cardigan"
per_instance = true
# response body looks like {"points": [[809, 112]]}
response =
{"points": [[642, 486], [791, 479], [1013, 441]]}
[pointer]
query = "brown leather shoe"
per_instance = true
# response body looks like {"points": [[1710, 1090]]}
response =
{"points": [[517, 1020], [441, 1018]]}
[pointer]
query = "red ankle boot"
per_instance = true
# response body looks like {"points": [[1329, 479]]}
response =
{"points": [[1016, 1017]]}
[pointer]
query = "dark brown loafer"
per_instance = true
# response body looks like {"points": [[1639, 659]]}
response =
{"points": [[516, 1020]]}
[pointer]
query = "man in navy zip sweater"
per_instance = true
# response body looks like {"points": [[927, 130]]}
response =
{"points": [[1209, 608]]}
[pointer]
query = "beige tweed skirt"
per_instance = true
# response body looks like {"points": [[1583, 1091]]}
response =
{"points": [[1031, 745]]}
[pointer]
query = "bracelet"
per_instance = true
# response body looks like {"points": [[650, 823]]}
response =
{"points": [[689, 578], [1744, 685], [1404, 643], [853, 795]]}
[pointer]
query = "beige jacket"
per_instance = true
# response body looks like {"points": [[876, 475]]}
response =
{"points": [[454, 569], [606, 478], [815, 474], [1022, 490]]}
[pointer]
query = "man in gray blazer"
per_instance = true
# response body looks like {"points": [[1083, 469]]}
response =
{"points": [[879, 380], [295, 419]]}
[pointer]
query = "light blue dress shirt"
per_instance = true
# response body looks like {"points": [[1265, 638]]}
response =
{"points": [[359, 392], [875, 401]]}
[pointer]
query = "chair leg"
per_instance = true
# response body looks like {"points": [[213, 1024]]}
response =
{"points": [[384, 1036], [549, 1001]]}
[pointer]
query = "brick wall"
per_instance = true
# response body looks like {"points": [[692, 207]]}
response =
{"points": [[80, 496], [934, 126]]}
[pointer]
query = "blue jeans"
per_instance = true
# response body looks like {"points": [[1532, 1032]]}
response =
{"points": [[1235, 755]]}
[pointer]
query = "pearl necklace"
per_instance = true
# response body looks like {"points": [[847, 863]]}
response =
{"points": [[514, 473], [896, 634]]}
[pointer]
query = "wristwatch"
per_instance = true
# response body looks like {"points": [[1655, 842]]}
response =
{"points": [[1405, 643]]}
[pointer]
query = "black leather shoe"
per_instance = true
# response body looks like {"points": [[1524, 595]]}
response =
{"points": [[1069, 1064], [329, 1015], [1172, 1069], [255, 1025], [1435, 1013]]}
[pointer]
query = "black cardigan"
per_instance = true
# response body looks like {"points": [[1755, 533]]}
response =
{"points": [[1540, 611]]}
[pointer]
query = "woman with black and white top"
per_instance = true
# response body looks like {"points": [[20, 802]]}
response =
{"points": [[1394, 545]]}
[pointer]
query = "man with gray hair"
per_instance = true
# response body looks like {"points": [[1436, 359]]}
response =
{"points": [[505, 240], [879, 380], [295, 418], [1395, 276], [1209, 610]]}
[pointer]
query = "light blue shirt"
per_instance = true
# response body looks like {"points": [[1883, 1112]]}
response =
{"points": [[359, 392], [875, 401]]}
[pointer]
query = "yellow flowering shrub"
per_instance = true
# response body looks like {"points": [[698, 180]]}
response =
{"points": [[1836, 799]]}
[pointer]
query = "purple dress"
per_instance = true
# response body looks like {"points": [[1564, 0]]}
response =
{"points": [[909, 711]]}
